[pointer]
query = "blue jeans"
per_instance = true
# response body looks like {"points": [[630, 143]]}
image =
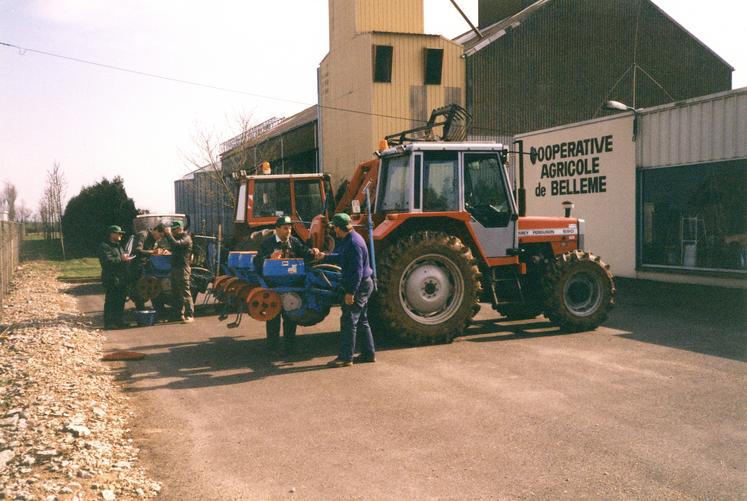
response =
{"points": [[355, 320]]}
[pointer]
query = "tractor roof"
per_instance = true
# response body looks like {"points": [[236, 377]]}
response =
{"points": [[287, 176], [442, 146]]}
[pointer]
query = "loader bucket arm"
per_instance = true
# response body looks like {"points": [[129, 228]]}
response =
{"points": [[365, 174]]}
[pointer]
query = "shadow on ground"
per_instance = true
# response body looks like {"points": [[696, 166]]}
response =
{"points": [[664, 314], [649, 312]]}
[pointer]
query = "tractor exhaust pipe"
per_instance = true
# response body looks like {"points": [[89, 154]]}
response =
{"points": [[521, 193]]}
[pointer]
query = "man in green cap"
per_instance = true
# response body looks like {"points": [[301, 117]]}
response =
{"points": [[146, 245], [114, 277], [351, 254], [282, 245], [181, 270]]}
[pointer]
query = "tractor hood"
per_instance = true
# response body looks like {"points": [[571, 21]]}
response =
{"points": [[551, 229]]}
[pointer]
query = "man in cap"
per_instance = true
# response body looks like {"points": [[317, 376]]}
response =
{"points": [[282, 245], [351, 254], [181, 270], [114, 277], [146, 245]]}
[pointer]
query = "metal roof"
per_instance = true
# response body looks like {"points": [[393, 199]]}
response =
{"points": [[472, 43], [286, 125]]}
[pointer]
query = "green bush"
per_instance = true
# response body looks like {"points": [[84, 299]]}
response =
{"points": [[92, 211]]}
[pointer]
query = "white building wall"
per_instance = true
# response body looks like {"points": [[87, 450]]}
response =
{"points": [[603, 193]]}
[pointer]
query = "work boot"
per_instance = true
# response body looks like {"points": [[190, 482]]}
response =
{"points": [[364, 359], [339, 362]]}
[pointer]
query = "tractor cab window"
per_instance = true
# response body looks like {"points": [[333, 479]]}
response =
{"points": [[271, 198], [485, 195], [308, 198], [241, 204], [393, 184], [440, 181]]}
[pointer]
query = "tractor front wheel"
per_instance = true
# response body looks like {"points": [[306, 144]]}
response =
{"points": [[429, 286], [579, 291]]}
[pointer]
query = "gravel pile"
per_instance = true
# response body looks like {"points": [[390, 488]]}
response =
{"points": [[63, 420]]}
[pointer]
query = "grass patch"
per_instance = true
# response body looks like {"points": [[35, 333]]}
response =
{"points": [[37, 248], [85, 268]]}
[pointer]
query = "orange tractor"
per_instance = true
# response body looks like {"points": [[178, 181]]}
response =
{"points": [[445, 234]]}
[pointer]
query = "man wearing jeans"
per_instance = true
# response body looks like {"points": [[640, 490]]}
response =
{"points": [[352, 255]]}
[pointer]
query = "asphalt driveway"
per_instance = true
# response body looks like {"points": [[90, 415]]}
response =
{"points": [[650, 406]]}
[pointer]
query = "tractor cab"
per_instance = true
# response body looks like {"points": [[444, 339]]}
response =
{"points": [[464, 181], [261, 199]]}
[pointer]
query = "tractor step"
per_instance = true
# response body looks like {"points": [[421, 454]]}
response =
{"points": [[506, 289]]}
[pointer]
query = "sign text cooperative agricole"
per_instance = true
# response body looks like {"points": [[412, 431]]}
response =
{"points": [[572, 167]]}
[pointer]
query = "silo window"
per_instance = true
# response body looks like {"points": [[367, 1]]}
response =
{"points": [[383, 63], [433, 63]]}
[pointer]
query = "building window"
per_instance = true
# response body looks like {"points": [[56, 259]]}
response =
{"points": [[695, 216], [383, 63], [433, 63]]}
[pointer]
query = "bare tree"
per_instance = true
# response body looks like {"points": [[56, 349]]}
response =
{"points": [[9, 196], [23, 214], [213, 187], [45, 218], [54, 194]]}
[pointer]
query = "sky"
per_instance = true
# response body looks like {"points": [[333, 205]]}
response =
{"points": [[98, 122]]}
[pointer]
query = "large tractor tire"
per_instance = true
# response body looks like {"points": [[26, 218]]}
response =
{"points": [[429, 286], [579, 291]]}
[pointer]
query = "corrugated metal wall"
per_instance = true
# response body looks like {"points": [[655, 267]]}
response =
{"points": [[206, 202], [563, 62], [706, 129]]}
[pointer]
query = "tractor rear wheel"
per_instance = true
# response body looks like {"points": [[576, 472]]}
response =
{"points": [[579, 291], [429, 286]]}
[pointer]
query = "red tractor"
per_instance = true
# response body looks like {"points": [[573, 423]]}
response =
{"points": [[263, 198], [448, 235]]}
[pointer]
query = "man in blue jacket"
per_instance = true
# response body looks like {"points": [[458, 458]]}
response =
{"points": [[351, 254]]}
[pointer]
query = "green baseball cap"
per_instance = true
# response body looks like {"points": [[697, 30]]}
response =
{"points": [[341, 220], [177, 224], [114, 229], [282, 221]]}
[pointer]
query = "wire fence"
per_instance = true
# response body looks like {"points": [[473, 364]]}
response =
{"points": [[11, 240]]}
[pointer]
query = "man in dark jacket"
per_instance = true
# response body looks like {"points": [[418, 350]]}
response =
{"points": [[181, 270], [146, 245], [351, 254], [281, 245], [114, 277]]}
